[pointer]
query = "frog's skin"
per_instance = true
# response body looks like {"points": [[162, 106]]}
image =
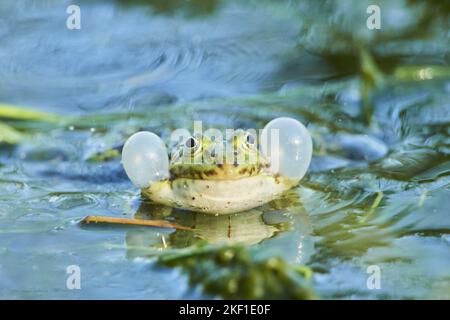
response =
{"points": [[210, 184]]}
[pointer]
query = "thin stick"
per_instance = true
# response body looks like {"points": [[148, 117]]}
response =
{"points": [[133, 222]]}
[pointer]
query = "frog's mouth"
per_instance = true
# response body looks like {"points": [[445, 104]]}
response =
{"points": [[217, 171]]}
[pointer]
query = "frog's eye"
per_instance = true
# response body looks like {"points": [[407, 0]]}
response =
{"points": [[250, 139], [288, 145], [191, 143], [145, 159]]}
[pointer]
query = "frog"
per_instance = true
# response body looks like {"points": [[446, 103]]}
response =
{"points": [[219, 176]]}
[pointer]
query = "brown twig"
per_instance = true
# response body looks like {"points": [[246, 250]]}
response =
{"points": [[133, 222]]}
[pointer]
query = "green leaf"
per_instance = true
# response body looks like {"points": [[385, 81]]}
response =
{"points": [[9, 135], [233, 272], [419, 73], [19, 113], [104, 156]]}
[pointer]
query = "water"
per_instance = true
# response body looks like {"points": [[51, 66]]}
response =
{"points": [[375, 195]]}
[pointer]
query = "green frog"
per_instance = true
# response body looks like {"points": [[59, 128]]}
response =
{"points": [[213, 176]]}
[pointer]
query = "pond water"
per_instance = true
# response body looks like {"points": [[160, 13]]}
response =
{"points": [[375, 194]]}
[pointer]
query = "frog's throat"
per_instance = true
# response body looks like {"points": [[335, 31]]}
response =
{"points": [[218, 197]]}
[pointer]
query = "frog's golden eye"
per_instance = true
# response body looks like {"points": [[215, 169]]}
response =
{"points": [[191, 143], [249, 140]]}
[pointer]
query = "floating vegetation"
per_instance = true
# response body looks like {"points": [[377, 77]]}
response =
{"points": [[9, 133], [233, 272]]}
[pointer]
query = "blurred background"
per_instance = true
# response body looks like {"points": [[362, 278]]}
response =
{"points": [[375, 101]]}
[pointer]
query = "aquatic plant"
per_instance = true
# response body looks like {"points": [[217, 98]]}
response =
{"points": [[235, 272]]}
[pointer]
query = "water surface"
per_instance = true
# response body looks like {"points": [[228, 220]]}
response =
{"points": [[376, 194]]}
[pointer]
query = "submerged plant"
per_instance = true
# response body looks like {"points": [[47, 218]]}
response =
{"points": [[234, 272], [9, 132]]}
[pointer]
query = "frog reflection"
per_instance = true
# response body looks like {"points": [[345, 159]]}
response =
{"points": [[248, 228], [245, 228]]}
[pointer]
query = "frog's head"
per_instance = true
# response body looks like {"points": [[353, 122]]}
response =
{"points": [[286, 153], [207, 158]]}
